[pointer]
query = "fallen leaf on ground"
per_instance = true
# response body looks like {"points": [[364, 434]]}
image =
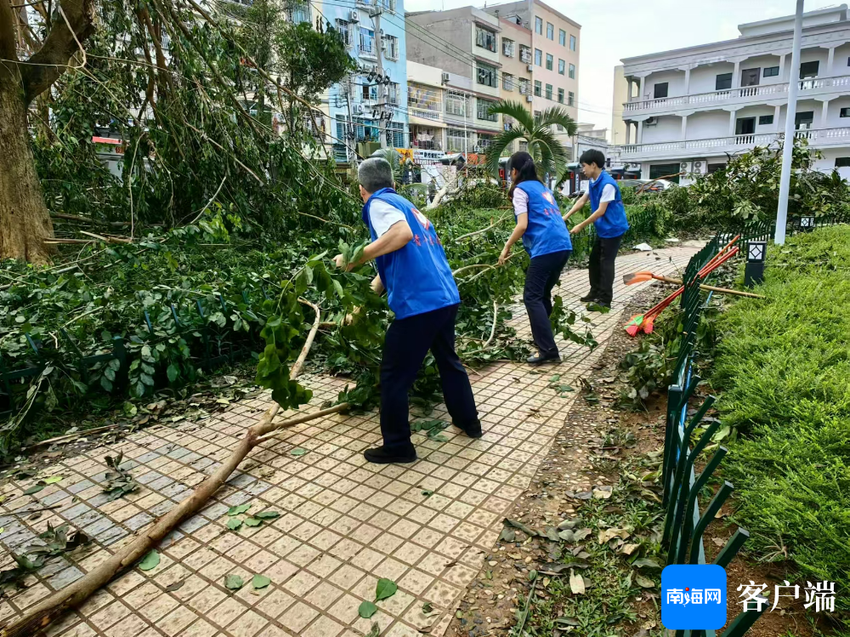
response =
{"points": [[267, 515], [644, 582], [602, 493], [234, 524], [238, 509], [149, 561], [628, 549], [646, 562], [260, 581], [233, 582], [298, 452], [581, 534], [609, 534], [522, 527], [386, 588], [576, 583], [253, 522], [367, 609], [175, 586]]}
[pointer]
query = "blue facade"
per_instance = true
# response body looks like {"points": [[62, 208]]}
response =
{"points": [[351, 18]]}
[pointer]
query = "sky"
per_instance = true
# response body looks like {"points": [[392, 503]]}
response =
{"points": [[616, 29]]}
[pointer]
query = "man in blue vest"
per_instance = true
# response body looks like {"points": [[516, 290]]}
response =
{"points": [[421, 291], [609, 218]]}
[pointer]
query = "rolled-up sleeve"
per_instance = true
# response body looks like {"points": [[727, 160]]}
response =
{"points": [[520, 202]]}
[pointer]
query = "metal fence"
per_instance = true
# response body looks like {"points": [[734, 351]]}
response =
{"points": [[685, 523]]}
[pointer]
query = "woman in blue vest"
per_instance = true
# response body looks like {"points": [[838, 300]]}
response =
{"points": [[421, 291], [545, 237], [609, 218]]}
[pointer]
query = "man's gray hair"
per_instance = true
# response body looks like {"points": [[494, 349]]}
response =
{"points": [[375, 173]]}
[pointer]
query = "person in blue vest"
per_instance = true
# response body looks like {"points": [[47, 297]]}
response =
{"points": [[547, 241], [609, 218], [422, 294]]}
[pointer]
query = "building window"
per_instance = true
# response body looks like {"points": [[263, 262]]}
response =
{"points": [[487, 75], [300, 12], [548, 91], [389, 5], [392, 93], [342, 27], [770, 71], [391, 47], [538, 88], [370, 92], [549, 62], [524, 54], [538, 57], [367, 41], [844, 112], [507, 48], [562, 67], [456, 140], [524, 88], [562, 37], [456, 104], [483, 110], [550, 31], [804, 120], [809, 69], [571, 99], [538, 26], [723, 81], [572, 43], [765, 120], [560, 96], [425, 101], [485, 39], [507, 81], [660, 90], [750, 77], [842, 162], [572, 71]]}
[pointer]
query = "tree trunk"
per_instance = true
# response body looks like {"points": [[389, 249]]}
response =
{"points": [[24, 219]]}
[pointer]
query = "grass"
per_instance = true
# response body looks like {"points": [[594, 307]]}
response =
{"points": [[783, 367]]}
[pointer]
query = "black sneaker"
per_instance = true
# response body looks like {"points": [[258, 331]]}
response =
{"points": [[588, 298], [380, 455], [472, 432], [599, 306], [542, 360]]}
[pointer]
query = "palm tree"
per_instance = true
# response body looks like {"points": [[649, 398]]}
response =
{"points": [[548, 153]]}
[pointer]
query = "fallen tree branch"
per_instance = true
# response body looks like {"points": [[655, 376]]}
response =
{"points": [[493, 330], [483, 230], [67, 437], [42, 614]]}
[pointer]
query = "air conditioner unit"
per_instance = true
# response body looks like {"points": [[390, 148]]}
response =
{"points": [[700, 167], [357, 109], [354, 16], [445, 78], [528, 98], [652, 121], [530, 68], [685, 167]]}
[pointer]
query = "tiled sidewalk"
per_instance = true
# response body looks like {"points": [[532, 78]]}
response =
{"points": [[344, 523]]}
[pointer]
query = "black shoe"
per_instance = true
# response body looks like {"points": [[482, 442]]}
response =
{"points": [[588, 298], [472, 432], [380, 455], [599, 306], [542, 360]]}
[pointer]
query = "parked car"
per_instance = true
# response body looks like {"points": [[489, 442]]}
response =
{"points": [[646, 185]]}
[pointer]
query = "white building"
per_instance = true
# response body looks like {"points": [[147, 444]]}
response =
{"points": [[689, 109]]}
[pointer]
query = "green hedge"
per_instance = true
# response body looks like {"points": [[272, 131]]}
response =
{"points": [[783, 367]]}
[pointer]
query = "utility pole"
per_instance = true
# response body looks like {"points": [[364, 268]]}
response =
{"points": [[349, 127], [790, 125], [379, 44]]}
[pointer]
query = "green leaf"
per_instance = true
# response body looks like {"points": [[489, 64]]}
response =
{"points": [[267, 515], [150, 561], [367, 609], [38, 486], [233, 582], [239, 509], [427, 493], [644, 582], [260, 581], [52, 480], [646, 562], [386, 588], [173, 372], [253, 522], [298, 452], [375, 631], [234, 524], [146, 379]]}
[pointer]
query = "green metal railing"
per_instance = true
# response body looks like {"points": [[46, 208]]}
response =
{"points": [[685, 523]]}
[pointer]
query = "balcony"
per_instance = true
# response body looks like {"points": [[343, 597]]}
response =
{"points": [[681, 149], [427, 144], [744, 95]]}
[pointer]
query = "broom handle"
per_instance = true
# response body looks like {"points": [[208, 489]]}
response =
{"points": [[710, 287]]}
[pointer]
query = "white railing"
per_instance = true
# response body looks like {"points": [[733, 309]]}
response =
{"points": [[427, 113], [714, 97], [815, 137]]}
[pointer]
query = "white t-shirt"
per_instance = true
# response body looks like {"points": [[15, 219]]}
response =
{"points": [[608, 192], [520, 202], [384, 216]]}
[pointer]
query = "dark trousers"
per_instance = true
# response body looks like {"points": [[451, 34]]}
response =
{"points": [[408, 341], [601, 268], [542, 275]]}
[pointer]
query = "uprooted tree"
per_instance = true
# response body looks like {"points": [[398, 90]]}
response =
{"points": [[24, 219]]}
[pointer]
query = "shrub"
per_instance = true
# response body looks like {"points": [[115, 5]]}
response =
{"points": [[783, 365]]}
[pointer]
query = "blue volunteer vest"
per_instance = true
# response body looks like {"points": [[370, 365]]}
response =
{"points": [[613, 223], [546, 232], [417, 277]]}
